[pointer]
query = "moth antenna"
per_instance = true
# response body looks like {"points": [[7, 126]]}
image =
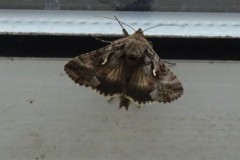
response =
{"points": [[162, 25], [123, 29], [120, 22]]}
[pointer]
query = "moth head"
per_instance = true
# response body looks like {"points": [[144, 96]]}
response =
{"points": [[139, 31], [139, 36], [134, 52], [136, 47]]}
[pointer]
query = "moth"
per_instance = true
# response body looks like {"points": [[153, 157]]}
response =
{"points": [[129, 68]]}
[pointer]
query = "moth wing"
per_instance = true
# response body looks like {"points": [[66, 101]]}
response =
{"points": [[99, 70], [139, 85], [168, 87], [146, 85]]}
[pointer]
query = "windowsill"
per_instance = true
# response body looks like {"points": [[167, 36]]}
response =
{"points": [[176, 24]]}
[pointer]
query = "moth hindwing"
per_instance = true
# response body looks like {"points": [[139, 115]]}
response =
{"points": [[128, 67]]}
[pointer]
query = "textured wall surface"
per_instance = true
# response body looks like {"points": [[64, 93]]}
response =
{"points": [[44, 115]]}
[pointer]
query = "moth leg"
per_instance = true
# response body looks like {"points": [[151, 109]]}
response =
{"points": [[104, 41], [110, 100], [170, 63]]}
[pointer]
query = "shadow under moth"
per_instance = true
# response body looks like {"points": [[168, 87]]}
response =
{"points": [[127, 67]]}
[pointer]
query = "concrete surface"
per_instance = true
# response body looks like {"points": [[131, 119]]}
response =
{"points": [[44, 115]]}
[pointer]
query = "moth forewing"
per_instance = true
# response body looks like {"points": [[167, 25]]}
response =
{"points": [[128, 67]]}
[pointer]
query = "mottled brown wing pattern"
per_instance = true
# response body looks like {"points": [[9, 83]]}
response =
{"points": [[94, 70], [128, 67], [140, 85], [167, 86], [144, 87]]}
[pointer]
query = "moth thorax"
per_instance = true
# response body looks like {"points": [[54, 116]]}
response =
{"points": [[133, 57]]}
